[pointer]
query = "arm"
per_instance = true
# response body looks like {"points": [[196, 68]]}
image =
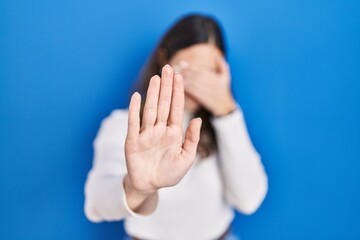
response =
{"points": [[105, 194], [153, 149], [244, 176]]}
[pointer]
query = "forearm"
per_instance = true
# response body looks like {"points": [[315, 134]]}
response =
{"points": [[244, 175], [245, 180], [104, 198]]}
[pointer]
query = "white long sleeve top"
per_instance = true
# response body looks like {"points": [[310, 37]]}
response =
{"points": [[201, 205]]}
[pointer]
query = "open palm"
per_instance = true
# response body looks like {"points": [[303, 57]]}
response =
{"points": [[156, 154]]}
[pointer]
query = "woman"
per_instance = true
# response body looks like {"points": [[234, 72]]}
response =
{"points": [[167, 183]]}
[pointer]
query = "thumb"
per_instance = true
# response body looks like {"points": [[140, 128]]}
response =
{"points": [[192, 138]]}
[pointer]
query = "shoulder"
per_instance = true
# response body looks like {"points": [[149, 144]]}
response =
{"points": [[117, 116], [113, 127]]}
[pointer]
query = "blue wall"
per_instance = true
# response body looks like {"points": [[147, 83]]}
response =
{"points": [[64, 65]]}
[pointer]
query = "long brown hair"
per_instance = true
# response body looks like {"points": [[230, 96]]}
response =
{"points": [[189, 30]]}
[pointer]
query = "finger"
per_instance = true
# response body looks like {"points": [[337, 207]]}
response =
{"points": [[223, 66], [205, 76], [163, 110], [150, 108], [134, 116], [180, 66], [191, 71], [189, 77], [205, 96], [192, 138], [200, 68], [177, 102], [199, 90]]}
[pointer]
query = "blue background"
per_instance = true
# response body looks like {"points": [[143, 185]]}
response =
{"points": [[65, 65]]}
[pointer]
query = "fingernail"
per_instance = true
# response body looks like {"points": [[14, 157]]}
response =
{"points": [[177, 69], [183, 64], [167, 68]]}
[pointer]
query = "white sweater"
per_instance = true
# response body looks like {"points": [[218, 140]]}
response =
{"points": [[200, 206]]}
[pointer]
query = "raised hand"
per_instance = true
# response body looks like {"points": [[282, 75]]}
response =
{"points": [[156, 154]]}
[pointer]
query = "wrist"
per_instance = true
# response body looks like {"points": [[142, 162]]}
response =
{"points": [[130, 189], [139, 202], [225, 108]]}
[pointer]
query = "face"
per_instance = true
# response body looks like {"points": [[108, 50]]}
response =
{"points": [[204, 56]]}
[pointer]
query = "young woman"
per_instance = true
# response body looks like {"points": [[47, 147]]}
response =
{"points": [[165, 181]]}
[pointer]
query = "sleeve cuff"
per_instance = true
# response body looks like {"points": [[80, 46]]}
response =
{"points": [[128, 209], [225, 122]]}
